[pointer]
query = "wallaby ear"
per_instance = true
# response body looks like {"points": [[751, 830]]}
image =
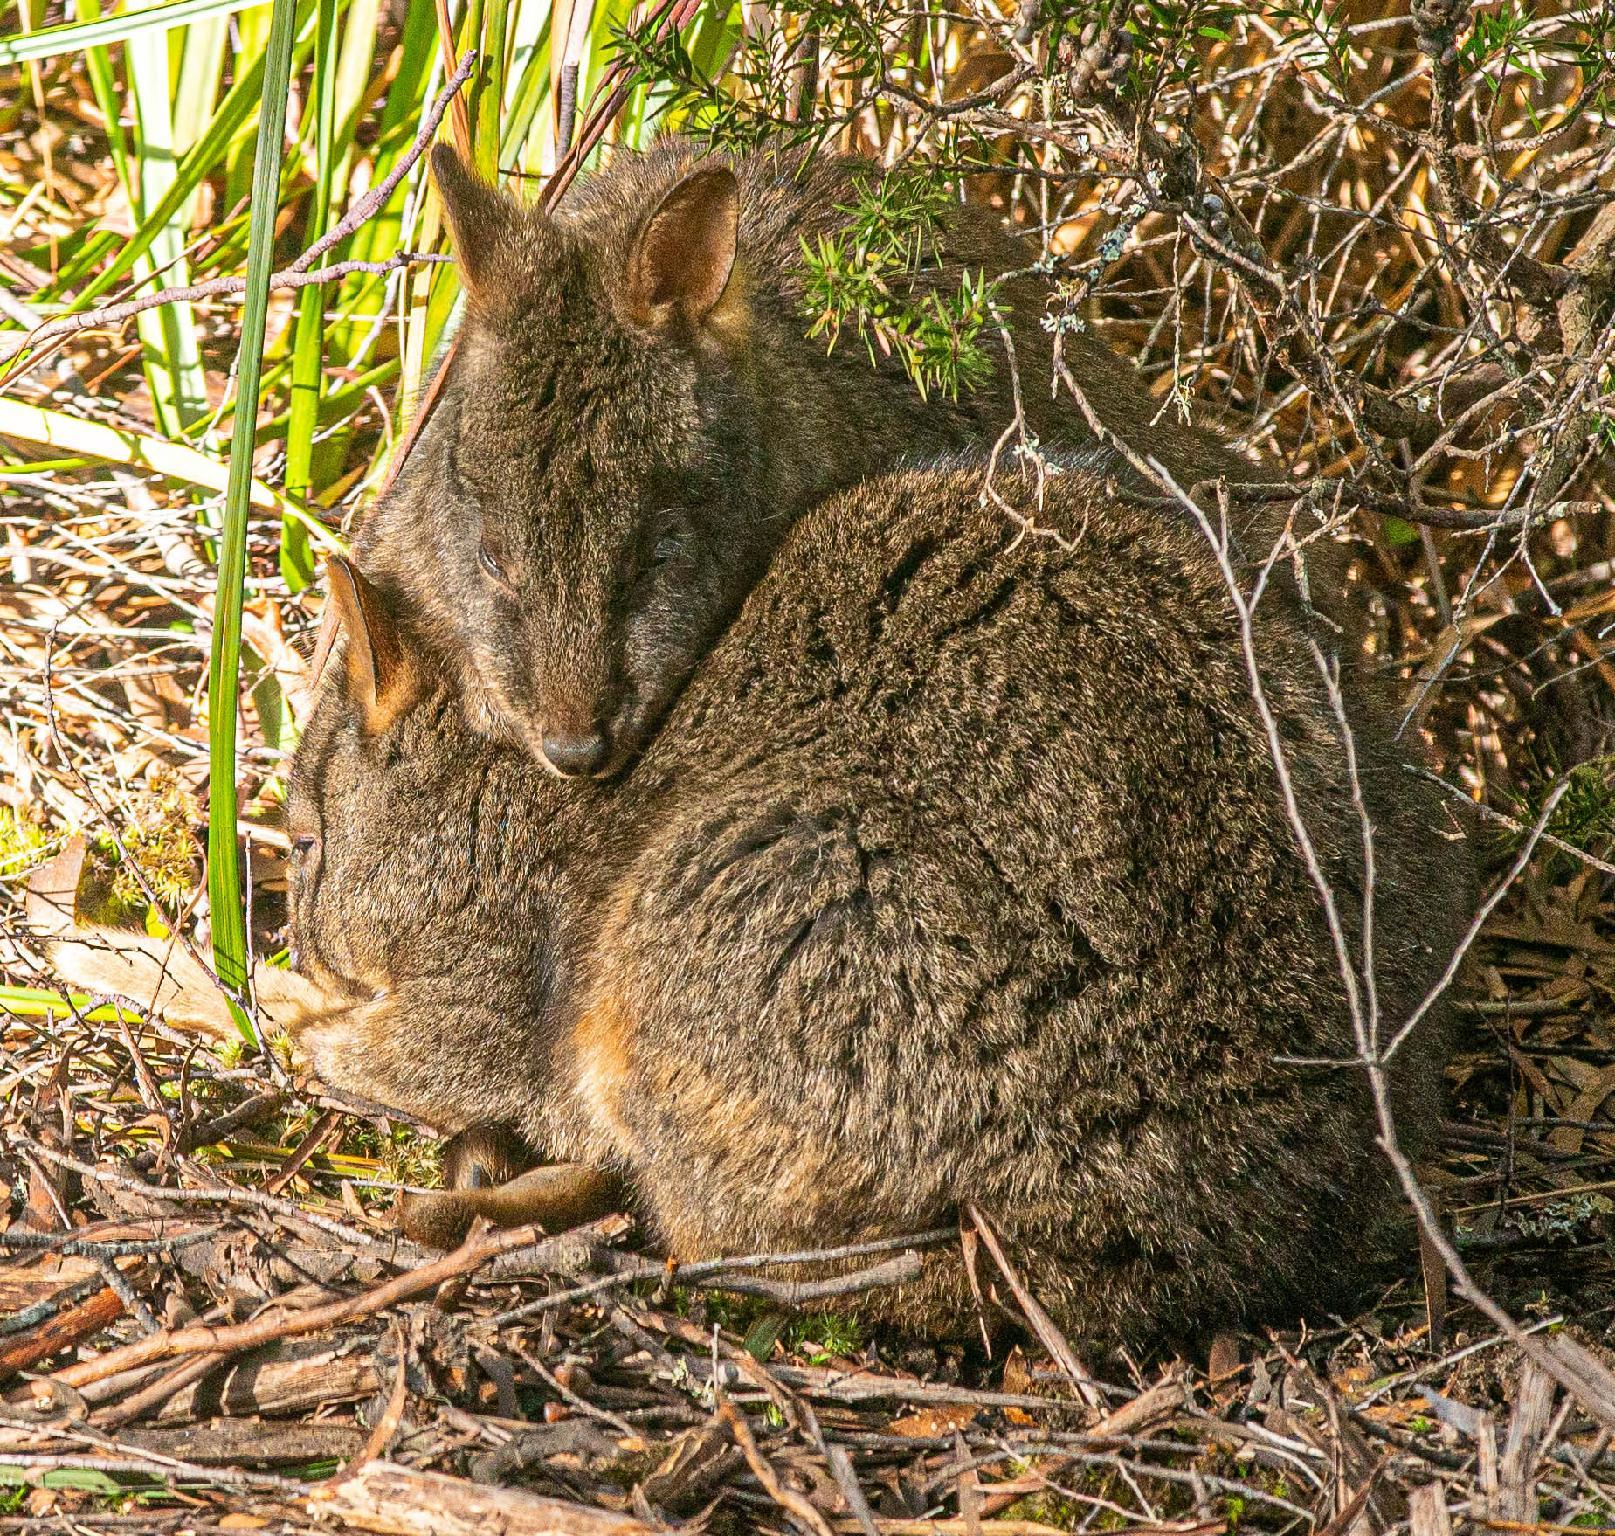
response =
{"points": [[482, 219], [684, 255], [382, 680]]}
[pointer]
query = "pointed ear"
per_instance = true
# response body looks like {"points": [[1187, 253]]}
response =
{"points": [[482, 219], [382, 680], [684, 255]]}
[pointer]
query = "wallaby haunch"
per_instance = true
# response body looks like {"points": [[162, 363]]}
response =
{"points": [[635, 416], [959, 874]]}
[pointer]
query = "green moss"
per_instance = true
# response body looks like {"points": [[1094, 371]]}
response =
{"points": [[1585, 815], [822, 1336], [406, 1157], [22, 843], [160, 842], [1049, 1509]]}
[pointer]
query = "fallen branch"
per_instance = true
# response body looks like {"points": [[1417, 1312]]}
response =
{"points": [[399, 1501], [61, 1332], [209, 288], [171, 1343]]}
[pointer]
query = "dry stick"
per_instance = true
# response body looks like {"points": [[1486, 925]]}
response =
{"points": [[1564, 1365], [1489, 906], [460, 127], [305, 1149], [787, 1498], [375, 200], [209, 288], [265, 1330], [1490, 813], [61, 1332], [59, 1244], [895, 1272], [1129, 1419], [393, 1414], [1043, 1325], [221, 1194], [158, 1392], [258, 1107], [959, 1526], [401, 1501], [797, 1293], [152, 1461], [717, 1274], [151, 1464]]}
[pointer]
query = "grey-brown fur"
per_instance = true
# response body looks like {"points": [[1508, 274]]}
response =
{"points": [[623, 452], [958, 873]]}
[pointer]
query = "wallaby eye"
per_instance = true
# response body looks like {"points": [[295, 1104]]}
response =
{"points": [[304, 845], [490, 562]]}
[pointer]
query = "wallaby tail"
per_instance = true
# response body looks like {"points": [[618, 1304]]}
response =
{"points": [[160, 975]]}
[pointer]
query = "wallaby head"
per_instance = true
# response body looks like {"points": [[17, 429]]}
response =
{"points": [[426, 859], [593, 490], [341, 788], [635, 415]]}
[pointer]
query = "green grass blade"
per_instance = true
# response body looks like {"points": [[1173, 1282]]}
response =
{"points": [[308, 347], [527, 90], [232, 122], [224, 853], [490, 104], [171, 353], [103, 82], [100, 31], [36, 1003]]}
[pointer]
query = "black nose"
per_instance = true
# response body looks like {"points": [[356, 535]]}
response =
{"points": [[576, 754]]}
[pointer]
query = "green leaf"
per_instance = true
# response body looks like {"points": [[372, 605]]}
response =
{"points": [[34, 1003], [224, 680], [104, 30], [764, 1335], [308, 352]]}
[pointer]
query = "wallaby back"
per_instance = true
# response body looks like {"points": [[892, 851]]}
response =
{"points": [[960, 874], [635, 416], [972, 882]]}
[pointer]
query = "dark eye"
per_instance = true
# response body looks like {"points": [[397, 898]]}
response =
{"points": [[490, 562], [304, 845], [668, 549]]}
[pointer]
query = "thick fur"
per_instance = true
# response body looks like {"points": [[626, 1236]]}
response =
{"points": [[602, 482], [959, 873]]}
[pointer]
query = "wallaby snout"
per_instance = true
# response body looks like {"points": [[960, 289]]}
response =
{"points": [[576, 754]]}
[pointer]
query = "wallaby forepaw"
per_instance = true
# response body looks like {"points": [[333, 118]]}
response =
{"points": [[555, 1197]]}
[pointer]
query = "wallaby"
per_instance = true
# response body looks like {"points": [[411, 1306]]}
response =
{"points": [[959, 874], [635, 415]]}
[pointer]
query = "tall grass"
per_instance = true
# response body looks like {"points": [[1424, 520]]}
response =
{"points": [[237, 135]]}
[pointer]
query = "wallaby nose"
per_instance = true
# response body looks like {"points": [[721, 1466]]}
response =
{"points": [[571, 753]]}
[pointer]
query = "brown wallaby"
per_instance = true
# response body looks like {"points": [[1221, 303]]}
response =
{"points": [[960, 874], [635, 415]]}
